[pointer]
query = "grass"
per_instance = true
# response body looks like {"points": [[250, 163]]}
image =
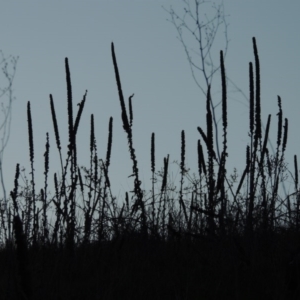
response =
{"points": [[217, 237]]}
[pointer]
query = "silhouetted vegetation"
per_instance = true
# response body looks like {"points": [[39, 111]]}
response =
{"points": [[217, 237]]}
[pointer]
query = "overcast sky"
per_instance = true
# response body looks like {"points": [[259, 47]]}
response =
{"points": [[153, 66]]}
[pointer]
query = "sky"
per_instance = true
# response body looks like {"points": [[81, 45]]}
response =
{"points": [[152, 65]]}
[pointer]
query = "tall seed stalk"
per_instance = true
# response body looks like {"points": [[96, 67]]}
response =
{"points": [[152, 151], [139, 203], [257, 140], [182, 172], [31, 198]]}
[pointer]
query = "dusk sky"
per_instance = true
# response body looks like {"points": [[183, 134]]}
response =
{"points": [[152, 65]]}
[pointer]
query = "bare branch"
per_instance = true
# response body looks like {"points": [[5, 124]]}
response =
{"points": [[8, 66]]}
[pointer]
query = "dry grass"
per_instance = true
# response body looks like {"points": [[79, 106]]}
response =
{"points": [[207, 240]]}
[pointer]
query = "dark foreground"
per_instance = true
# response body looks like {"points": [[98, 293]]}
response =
{"points": [[140, 268]]}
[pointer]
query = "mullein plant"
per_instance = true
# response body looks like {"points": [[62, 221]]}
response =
{"points": [[30, 205], [127, 126]]}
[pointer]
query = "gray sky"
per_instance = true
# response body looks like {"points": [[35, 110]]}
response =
{"points": [[153, 66]]}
